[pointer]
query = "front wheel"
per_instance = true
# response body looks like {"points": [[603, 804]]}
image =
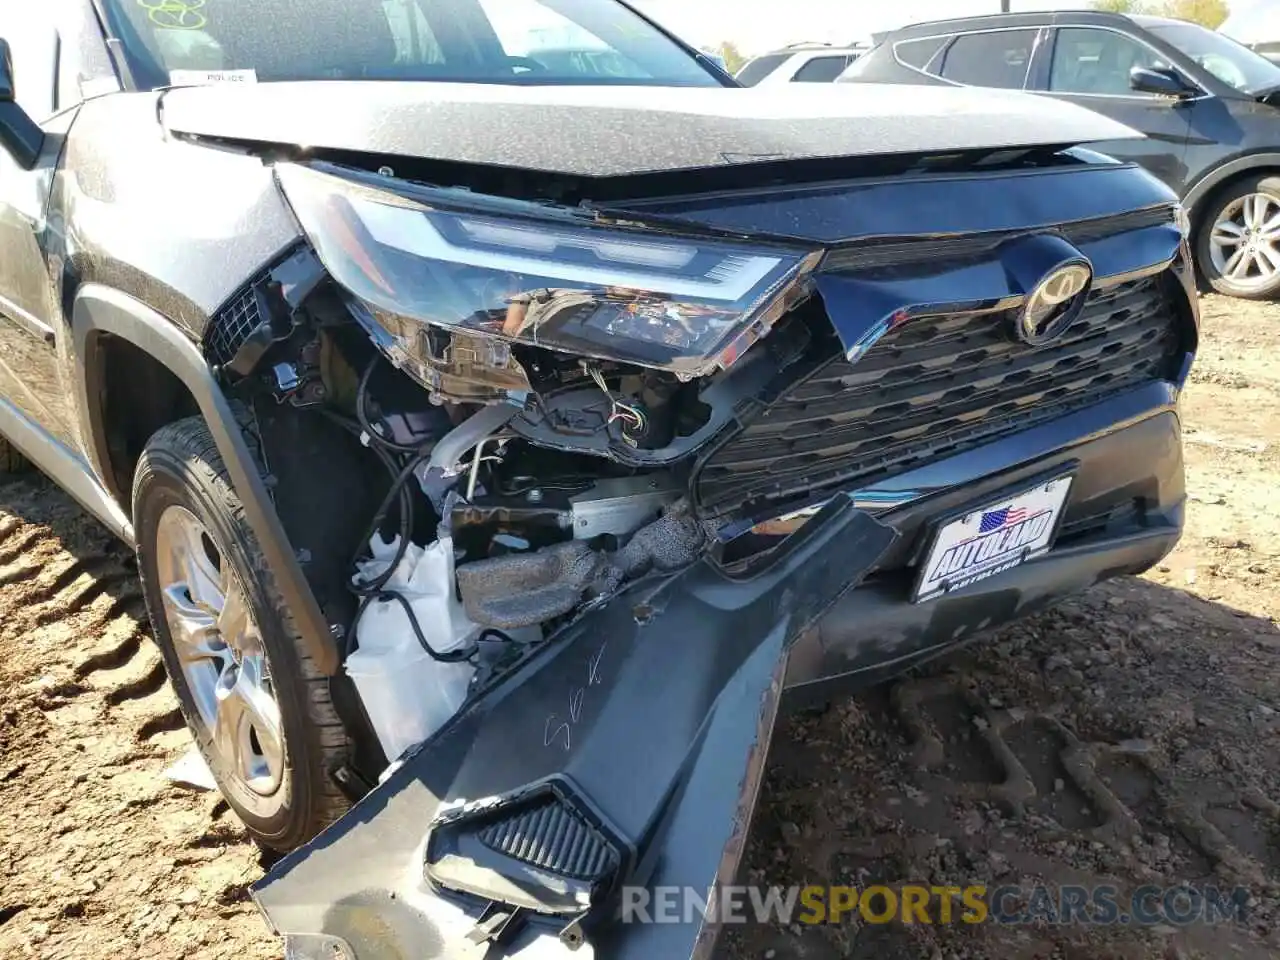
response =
{"points": [[257, 707], [1238, 240]]}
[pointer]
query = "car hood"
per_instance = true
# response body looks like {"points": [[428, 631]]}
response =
{"points": [[609, 131]]}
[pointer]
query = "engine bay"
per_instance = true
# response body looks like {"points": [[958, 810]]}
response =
{"points": [[500, 490]]}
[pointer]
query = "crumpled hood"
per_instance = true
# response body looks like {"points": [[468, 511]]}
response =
{"points": [[610, 131]]}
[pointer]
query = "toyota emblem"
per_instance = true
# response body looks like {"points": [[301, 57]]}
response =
{"points": [[1055, 303]]}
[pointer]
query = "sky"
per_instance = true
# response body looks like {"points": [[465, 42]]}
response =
{"points": [[760, 25]]}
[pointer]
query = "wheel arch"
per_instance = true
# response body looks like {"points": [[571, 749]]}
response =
{"points": [[108, 325], [1224, 176]]}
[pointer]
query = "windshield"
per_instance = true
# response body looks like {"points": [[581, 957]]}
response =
{"points": [[175, 42], [1227, 60]]}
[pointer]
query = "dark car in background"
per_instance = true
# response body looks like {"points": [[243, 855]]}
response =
{"points": [[1210, 108]]}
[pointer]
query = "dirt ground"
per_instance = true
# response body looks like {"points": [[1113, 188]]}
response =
{"points": [[1127, 737]]}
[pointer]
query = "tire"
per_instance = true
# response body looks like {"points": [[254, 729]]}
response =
{"points": [[272, 767], [1261, 277], [11, 461]]}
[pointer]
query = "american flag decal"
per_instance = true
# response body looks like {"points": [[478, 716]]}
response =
{"points": [[994, 520]]}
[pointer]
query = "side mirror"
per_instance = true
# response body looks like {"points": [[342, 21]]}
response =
{"points": [[19, 134], [1161, 81]]}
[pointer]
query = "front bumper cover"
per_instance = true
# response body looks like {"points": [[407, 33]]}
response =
{"points": [[651, 717], [644, 716]]}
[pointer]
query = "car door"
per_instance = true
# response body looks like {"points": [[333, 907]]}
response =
{"points": [[1090, 65], [30, 375]]}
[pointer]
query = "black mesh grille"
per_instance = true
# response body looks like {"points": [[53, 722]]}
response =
{"points": [[553, 837], [934, 387], [232, 325]]}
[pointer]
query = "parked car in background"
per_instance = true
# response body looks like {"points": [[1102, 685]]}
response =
{"points": [[1210, 108], [1256, 25], [800, 63]]}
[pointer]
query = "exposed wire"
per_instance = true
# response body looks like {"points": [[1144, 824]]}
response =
{"points": [[374, 590], [446, 656], [622, 411], [478, 458], [406, 517], [618, 410], [362, 413], [380, 515]]}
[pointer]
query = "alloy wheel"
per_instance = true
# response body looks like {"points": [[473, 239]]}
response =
{"points": [[220, 651], [1245, 243]]}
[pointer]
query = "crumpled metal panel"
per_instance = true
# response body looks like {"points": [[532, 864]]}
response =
{"points": [[656, 707]]}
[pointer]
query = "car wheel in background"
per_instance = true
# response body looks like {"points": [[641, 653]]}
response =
{"points": [[257, 707], [1238, 239]]}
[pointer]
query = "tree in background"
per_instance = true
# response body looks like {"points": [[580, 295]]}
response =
{"points": [[1210, 13], [732, 56]]}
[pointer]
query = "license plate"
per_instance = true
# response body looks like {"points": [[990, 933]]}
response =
{"points": [[992, 539]]}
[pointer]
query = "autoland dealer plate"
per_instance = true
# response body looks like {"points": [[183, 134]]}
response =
{"points": [[992, 539]]}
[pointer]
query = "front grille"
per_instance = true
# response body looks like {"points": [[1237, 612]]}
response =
{"points": [[932, 388]]}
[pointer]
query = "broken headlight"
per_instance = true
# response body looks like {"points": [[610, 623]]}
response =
{"points": [[686, 304]]}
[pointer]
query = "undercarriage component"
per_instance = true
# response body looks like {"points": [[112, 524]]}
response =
{"points": [[539, 515], [618, 506], [524, 589], [530, 588]]}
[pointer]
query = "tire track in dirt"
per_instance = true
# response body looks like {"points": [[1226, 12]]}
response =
{"points": [[102, 856]]}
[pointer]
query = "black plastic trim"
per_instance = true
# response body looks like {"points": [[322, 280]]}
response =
{"points": [[1220, 175], [102, 310]]}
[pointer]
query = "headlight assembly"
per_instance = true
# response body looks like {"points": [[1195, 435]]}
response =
{"points": [[689, 305]]}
